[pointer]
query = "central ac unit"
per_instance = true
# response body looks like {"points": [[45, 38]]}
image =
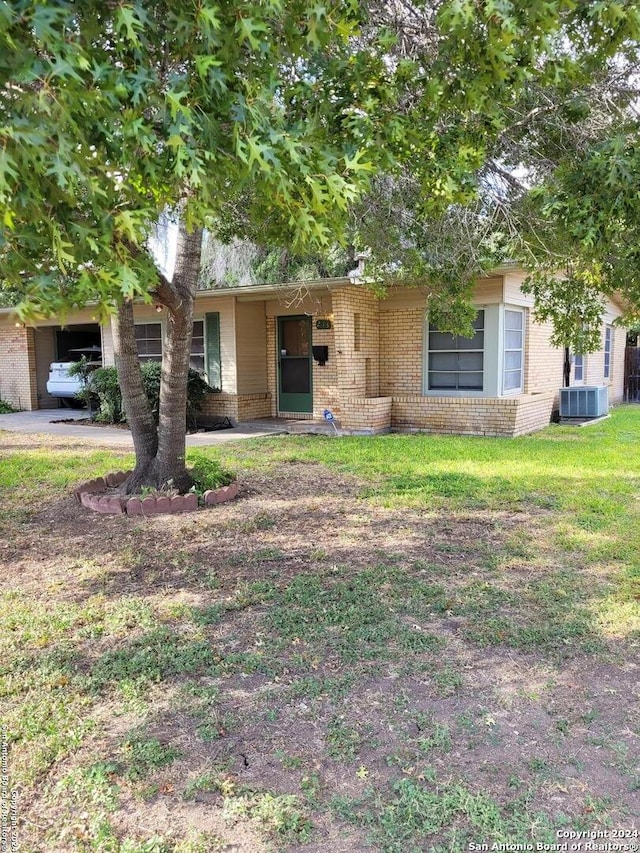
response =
{"points": [[586, 401]]}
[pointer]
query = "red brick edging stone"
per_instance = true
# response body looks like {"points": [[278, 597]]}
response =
{"points": [[91, 495]]}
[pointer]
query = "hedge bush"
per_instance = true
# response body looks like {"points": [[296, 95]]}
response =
{"points": [[105, 386]]}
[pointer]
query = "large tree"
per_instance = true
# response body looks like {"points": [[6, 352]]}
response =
{"points": [[264, 117], [111, 113]]}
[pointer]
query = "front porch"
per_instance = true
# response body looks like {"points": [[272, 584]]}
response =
{"points": [[506, 416]]}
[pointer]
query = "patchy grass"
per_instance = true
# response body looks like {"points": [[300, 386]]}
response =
{"points": [[406, 643], [142, 755], [207, 472]]}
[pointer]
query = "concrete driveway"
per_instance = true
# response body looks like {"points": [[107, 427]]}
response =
{"points": [[40, 422]]}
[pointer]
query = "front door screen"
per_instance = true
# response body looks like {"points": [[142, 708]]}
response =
{"points": [[294, 356]]}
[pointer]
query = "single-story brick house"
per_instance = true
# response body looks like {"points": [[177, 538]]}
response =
{"points": [[293, 351]]}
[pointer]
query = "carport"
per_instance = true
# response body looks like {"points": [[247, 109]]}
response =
{"points": [[56, 344], [27, 352]]}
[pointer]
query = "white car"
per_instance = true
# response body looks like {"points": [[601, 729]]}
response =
{"points": [[60, 384]]}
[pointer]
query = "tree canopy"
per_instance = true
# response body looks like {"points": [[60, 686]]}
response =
{"points": [[111, 112], [266, 118]]}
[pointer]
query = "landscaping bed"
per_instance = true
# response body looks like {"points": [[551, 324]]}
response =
{"points": [[102, 495]]}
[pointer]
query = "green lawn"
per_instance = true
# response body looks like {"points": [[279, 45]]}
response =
{"points": [[405, 643]]}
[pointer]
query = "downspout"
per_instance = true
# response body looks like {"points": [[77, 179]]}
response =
{"points": [[566, 368]]}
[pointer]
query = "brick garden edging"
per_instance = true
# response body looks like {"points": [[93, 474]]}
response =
{"points": [[91, 495]]}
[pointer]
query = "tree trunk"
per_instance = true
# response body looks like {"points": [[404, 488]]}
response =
{"points": [[175, 362], [160, 450], [134, 400]]}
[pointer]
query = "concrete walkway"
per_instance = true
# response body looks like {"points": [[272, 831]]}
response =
{"points": [[39, 423]]}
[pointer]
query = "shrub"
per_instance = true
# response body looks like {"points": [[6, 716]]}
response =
{"points": [[104, 382], [196, 389], [6, 408], [207, 473], [83, 370]]}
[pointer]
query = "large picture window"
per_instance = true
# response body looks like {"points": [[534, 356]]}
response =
{"points": [[513, 350], [456, 363]]}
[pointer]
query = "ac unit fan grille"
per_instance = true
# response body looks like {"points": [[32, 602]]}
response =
{"points": [[584, 402]]}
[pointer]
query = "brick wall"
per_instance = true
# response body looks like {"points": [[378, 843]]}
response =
{"points": [[236, 407], [506, 416], [366, 414], [616, 389], [401, 351], [325, 376], [272, 363], [353, 368], [534, 412], [357, 341], [18, 382], [374, 376], [542, 362], [108, 355], [252, 406]]}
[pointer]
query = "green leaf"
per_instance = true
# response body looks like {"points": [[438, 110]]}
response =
{"points": [[178, 103], [250, 30], [128, 282], [125, 226], [8, 173], [127, 20], [208, 17], [60, 247], [356, 163], [204, 64]]}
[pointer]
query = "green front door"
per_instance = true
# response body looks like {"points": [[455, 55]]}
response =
{"points": [[295, 393]]}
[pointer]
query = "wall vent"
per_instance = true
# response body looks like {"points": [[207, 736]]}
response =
{"points": [[584, 401]]}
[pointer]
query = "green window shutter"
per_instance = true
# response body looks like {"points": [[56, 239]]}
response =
{"points": [[214, 372]]}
